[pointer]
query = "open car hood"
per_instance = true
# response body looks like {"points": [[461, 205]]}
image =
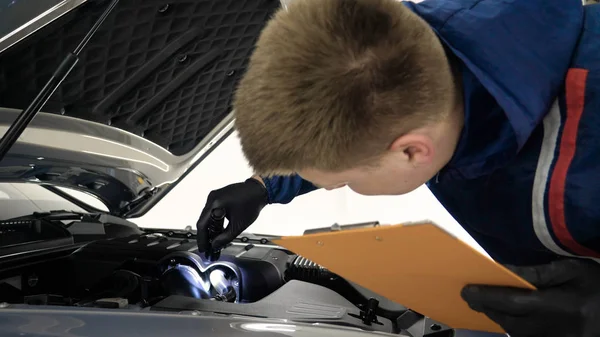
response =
{"points": [[147, 101]]}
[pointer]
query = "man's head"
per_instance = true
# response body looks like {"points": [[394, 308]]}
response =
{"points": [[349, 92]]}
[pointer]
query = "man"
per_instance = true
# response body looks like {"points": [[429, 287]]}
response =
{"points": [[494, 103]]}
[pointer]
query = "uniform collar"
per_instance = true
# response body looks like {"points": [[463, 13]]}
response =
{"points": [[511, 72]]}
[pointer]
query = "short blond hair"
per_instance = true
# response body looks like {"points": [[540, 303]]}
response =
{"points": [[332, 83]]}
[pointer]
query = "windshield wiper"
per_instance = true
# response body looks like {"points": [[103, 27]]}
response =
{"points": [[26, 116], [57, 215], [83, 226]]}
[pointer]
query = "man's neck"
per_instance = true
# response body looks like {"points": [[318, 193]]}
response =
{"points": [[450, 130]]}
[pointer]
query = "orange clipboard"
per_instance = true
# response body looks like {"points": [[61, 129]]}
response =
{"points": [[420, 266]]}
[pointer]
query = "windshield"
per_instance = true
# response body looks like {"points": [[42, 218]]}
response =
{"points": [[20, 199]]}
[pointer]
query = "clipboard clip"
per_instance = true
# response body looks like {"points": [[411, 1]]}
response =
{"points": [[337, 227]]}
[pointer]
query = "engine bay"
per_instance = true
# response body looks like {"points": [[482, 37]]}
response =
{"points": [[108, 263]]}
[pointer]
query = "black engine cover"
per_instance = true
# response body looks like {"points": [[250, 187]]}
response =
{"points": [[262, 266]]}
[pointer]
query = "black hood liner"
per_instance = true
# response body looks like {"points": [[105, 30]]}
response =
{"points": [[165, 70]]}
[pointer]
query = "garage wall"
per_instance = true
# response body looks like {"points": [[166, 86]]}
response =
{"points": [[321, 208]]}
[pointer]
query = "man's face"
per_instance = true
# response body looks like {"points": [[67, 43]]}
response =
{"points": [[392, 176]]}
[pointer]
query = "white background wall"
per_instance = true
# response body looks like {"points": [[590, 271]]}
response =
{"points": [[226, 165]]}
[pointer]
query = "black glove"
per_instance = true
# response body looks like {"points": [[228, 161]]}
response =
{"points": [[565, 304], [242, 203]]}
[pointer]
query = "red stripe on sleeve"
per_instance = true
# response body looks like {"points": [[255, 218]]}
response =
{"points": [[575, 101]]}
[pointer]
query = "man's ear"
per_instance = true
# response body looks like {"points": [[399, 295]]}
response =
{"points": [[415, 148]]}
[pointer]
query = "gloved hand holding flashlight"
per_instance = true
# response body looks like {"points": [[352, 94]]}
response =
{"points": [[240, 204]]}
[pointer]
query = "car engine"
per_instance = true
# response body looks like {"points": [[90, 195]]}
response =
{"points": [[109, 263]]}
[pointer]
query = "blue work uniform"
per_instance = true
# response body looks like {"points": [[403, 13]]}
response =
{"points": [[524, 178]]}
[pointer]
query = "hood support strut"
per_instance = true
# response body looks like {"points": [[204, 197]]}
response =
{"points": [[26, 116]]}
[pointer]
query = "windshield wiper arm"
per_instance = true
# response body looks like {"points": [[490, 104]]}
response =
{"points": [[61, 215], [26, 116]]}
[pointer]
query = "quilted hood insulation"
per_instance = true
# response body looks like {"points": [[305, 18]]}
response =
{"points": [[164, 70]]}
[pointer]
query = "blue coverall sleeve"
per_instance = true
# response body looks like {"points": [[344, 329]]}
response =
{"points": [[283, 189]]}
